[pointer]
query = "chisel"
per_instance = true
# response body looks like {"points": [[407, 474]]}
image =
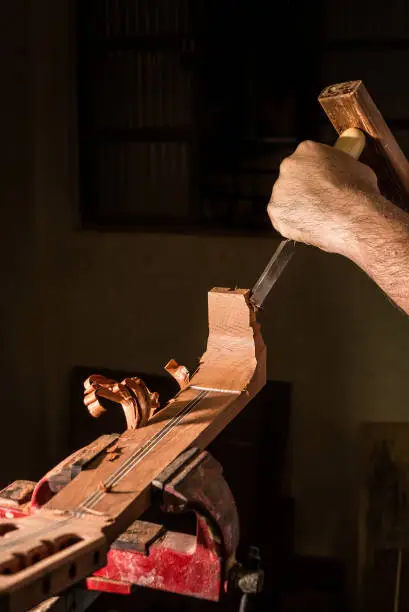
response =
{"points": [[352, 141]]}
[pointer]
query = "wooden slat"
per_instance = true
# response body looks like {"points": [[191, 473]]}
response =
{"points": [[350, 105]]}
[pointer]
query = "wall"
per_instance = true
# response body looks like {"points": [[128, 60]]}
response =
{"points": [[21, 352], [132, 301]]}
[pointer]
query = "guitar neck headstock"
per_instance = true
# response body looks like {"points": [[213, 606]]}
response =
{"points": [[45, 553]]}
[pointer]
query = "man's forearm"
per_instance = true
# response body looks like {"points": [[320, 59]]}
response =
{"points": [[381, 249], [325, 198]]}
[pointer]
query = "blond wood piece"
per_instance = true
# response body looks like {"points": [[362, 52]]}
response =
{"points": [[352, 142], [234, 347], [179, 372]]}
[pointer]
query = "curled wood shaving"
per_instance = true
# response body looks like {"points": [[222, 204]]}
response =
{"points": [[137, 402], [179, 372]]}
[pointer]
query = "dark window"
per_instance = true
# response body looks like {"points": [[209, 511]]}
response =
{"points": [[186, 108]]}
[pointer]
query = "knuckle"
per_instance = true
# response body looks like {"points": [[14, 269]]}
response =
{"points": [[305, 145], [271, 209], [275, 210], [276, 223], [276, 191], [309, 147], [286, 164], [371, 175], [367, 174]]}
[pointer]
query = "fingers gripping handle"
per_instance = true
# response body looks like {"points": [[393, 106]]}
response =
{"points": [[352, 142]]}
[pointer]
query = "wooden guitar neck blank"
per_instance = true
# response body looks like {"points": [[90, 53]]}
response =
{"points": [[107, 496]]}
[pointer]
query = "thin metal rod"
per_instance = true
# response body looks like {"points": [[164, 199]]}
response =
{"points": [[272, 272]]}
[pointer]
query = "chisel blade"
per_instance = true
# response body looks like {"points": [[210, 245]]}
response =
{"points": [[272, 272]]}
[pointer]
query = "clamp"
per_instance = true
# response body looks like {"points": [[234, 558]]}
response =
{"points": [[148, 554]]}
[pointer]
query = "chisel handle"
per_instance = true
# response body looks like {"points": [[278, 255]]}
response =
{"points": [[351, 141], [350, 105]]}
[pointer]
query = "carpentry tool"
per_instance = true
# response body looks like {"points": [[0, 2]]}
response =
{"points": [[352, 141]]}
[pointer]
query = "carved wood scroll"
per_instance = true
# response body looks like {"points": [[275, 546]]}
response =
{"points": [[350, 105], [67, 538]]}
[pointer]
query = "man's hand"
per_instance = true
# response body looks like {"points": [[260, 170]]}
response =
{"points": [[326, 198], [322, 197]]}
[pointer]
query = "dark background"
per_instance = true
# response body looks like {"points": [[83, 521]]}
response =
{"points": [[90, 160], [203, 99]]}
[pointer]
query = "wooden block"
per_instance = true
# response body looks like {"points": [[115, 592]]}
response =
{"points": [[232, 354], [350, 105]]}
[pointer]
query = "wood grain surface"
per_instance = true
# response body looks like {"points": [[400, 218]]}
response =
{"points": [[230, 373]]}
